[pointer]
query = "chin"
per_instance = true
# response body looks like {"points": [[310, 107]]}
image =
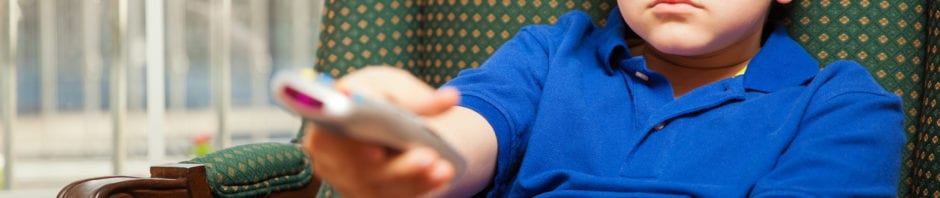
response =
{"points": [[677, 43], [681, 48]]}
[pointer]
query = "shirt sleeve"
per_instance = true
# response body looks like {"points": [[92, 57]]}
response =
{"points": [[506, 90], [848, 144]]}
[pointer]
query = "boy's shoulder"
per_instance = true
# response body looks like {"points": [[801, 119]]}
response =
{"points": [[782, 62], [846, 76]]}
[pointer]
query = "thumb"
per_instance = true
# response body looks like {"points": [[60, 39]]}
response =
{"points": [[440, 101], [400, 88]]}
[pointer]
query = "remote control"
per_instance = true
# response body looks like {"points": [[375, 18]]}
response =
{"points": [[313, 97]]}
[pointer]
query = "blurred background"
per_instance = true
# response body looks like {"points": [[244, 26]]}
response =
{"points": [[103, 87]]}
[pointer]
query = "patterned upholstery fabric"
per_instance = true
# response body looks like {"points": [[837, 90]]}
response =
{"points": [[432, 39], [921, 176], [256, 169], [895, 39], [464, 34]]}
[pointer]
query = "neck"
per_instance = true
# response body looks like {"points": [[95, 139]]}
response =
{"points": [[686, 73]]}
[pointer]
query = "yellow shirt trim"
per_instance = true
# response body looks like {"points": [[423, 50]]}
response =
{"points": [[742, 71]]}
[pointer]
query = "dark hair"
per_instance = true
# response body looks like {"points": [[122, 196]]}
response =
{"points": [[774, 17], [777, 12]]}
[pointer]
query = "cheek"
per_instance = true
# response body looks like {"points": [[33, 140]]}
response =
{"points": [[634, 19]]}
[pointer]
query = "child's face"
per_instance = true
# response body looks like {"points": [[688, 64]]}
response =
{"points": [[695, 27]]}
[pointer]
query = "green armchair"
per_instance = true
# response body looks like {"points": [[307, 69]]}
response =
{"points": [[253, 170], [896, 40]]}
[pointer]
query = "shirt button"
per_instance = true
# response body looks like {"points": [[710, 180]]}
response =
{"points": [[641, 75], [659, 126]]}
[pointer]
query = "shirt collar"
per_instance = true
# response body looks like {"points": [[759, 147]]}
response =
{"points": [[780, 63], [613, 47]]}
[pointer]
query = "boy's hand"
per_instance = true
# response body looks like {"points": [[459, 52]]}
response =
{"points": [[359, 169]]}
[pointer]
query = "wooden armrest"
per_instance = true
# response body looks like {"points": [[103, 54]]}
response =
{"points": [[171, 180]]}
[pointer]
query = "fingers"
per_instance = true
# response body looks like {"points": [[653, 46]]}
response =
{"points": [[400, 88], [365, 169], [357, 168], [339, 160], [442, 100], [419, 165], [334, 145]]}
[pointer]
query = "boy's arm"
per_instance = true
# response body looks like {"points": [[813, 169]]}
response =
{"points": [[358, 169], [473, 138], [849, 146]]}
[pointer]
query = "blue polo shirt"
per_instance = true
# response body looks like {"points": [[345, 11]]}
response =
{"points": [[576, 115]]}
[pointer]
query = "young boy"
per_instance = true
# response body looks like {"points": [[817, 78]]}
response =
{"points": [[708, 106]]}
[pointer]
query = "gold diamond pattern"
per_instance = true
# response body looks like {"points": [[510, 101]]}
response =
{"points": [[921, 178], [256, 169], [434, 39]]}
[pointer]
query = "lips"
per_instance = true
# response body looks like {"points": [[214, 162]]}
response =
{"points": [[674, 6], [674, 2]]}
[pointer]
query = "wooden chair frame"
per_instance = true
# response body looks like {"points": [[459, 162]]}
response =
{"points": [[170, 180]]}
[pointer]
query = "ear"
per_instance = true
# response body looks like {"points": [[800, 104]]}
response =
{"points": [[784, 2]]}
